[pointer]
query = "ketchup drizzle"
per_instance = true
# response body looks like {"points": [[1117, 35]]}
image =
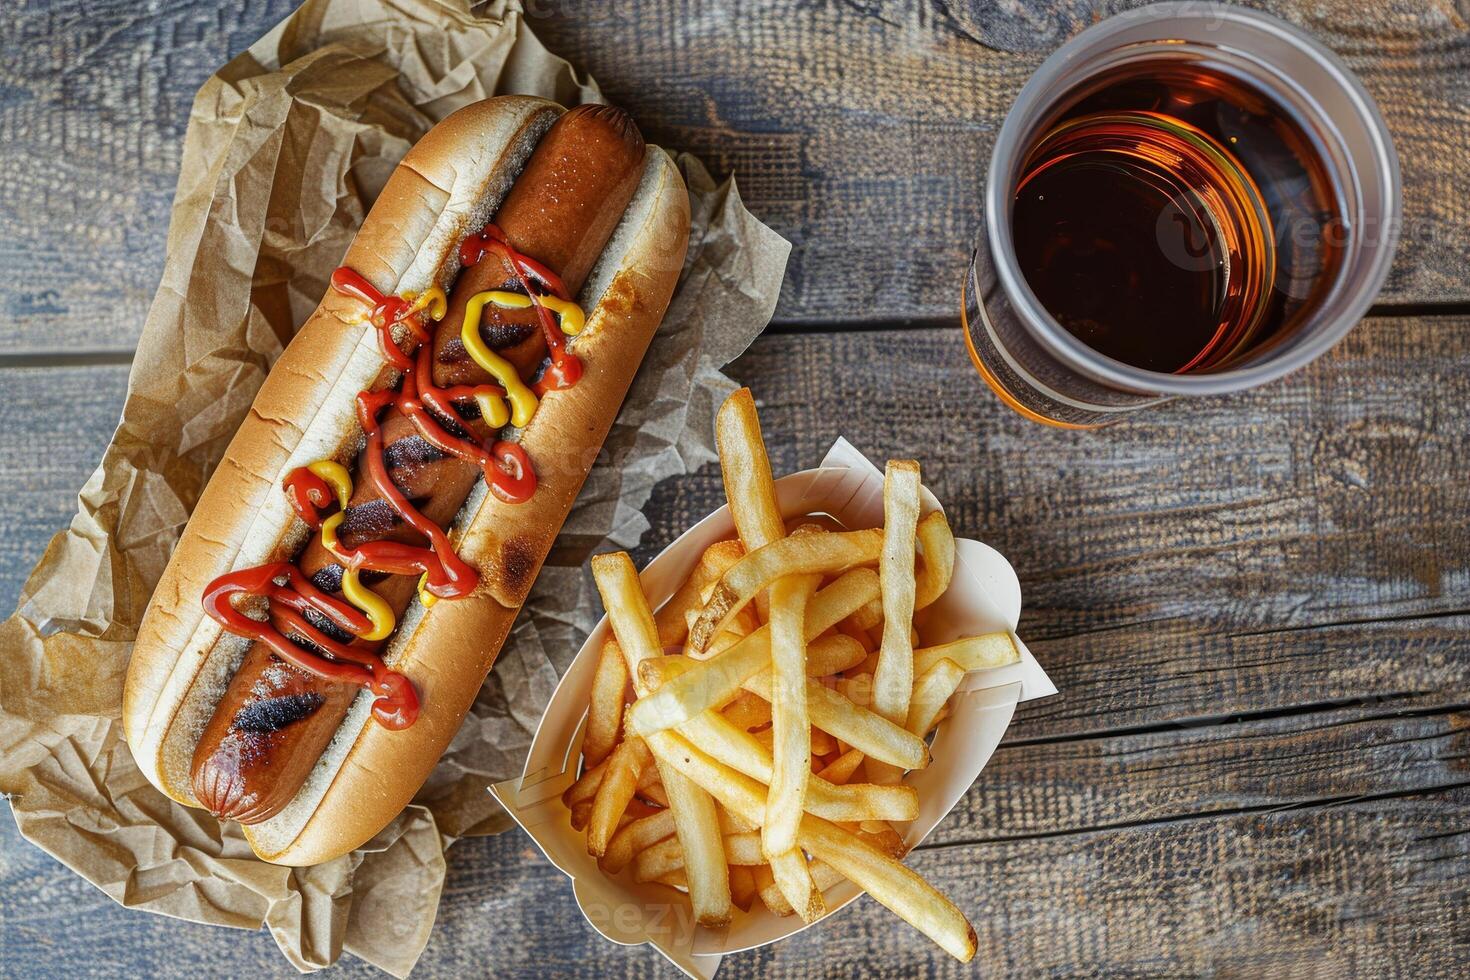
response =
{"points": [[506, 466], [309, 495], [565, 368], [396, 706]]}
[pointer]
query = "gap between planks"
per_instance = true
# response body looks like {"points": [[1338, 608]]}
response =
{"points": [[1244, 717], [59, 359], [777, 327], [1321, 803], [782, 326]]}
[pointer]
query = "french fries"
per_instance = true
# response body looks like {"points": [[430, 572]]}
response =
{"points": [[793, 877], [695, 824], [747, 472], [791, 744], [971, 653], [742, 886], [824, 657], [605, 706], [672, 619], [893, 677], [875, 735], [762, 752], [619, 784], [936, 542], [745, 753], [893, 681], [717, 680], [931, 693], [804, 554], [635, 838], [888, 881]]}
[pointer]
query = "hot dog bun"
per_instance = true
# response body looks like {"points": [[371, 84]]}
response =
{"points": [[447, 187]]}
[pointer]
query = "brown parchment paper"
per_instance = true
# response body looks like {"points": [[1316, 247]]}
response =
{"points": [[287, 146]]}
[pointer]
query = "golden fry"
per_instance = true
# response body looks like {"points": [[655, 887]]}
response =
{"points": [[770, 895], [893, 679], [822, 743], [841, 770], [651, 789], [825, 656], [581, 813], [794, 879], [585, 788], [797, 555], [627, 610], [875, 735], [745, 623], [605, 704], [695, 821], [657, 860], [742, 886], [747, 472], [893, 885], [971, 653], [672, 618], [619, 783], [749, 488], [717, 680], [697, 829], [731, 824], [870, 616], [931, 691], [748, 711], [636, 837], [718, 559], [791, 745], [744, 753], [744, 849], [936, 541]]}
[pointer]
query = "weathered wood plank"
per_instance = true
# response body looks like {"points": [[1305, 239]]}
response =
{"points": [[1173, 673], [54, 424], [858, 130], [1370, 888], [1335, 495], [94, 98], [1364, 889], [864, 138], [1038, 789]]}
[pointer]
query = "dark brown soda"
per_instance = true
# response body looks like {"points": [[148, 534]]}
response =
{"points": [[1176, 218]]}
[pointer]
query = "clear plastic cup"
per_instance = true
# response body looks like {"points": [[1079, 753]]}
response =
{"points": [[1044, 372]]}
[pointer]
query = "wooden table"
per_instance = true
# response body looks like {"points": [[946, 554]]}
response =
{"points": [[1256, 607]]}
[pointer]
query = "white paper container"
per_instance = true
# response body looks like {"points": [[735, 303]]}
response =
{"points": [[983, 597]]}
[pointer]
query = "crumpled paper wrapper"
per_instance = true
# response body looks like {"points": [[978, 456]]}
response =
{"points": [[287, 147]]}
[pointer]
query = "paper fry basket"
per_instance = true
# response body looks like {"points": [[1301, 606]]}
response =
{"points": [[983, 597]]}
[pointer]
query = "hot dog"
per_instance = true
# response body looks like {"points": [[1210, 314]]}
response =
{"points": [[346, 634]]}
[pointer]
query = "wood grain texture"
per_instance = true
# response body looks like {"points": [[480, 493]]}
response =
{"points": [[861, 129], [857, 129], [94, 98], [1257, 607], [50, 442], [1367, 888]]}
